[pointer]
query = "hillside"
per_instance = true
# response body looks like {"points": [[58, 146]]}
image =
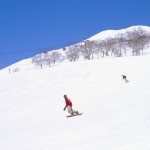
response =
{"points": [[115, 114], [98, 51], [112, 33]]}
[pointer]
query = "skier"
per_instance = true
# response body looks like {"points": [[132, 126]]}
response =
{"points": [[69, 106], [124, 78]]}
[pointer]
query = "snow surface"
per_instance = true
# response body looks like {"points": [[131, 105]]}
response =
{"points": [[116, 115], [113, 33]]}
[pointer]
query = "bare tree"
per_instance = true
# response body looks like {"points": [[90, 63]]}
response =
{"points": [[73, 52], [134, 40], [55, 56], [87, 49], [119, 45], [137, 39], [47, 59], [96, 48], [38, 60], [106, 46]]}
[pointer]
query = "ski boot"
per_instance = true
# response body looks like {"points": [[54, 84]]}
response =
{"points": [[76, 112]]}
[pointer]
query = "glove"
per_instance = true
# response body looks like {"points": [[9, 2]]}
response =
{"points": [[64, 108]]}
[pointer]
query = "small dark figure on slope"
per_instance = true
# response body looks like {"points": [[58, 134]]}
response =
{"points": [[124, 78]]}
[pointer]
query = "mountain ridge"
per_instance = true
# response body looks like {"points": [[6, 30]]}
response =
{"points": [[112, 33], [97, 37]]}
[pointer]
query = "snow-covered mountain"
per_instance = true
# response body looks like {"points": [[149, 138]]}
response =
{"points": [[115, 114], [26, 64], [112, 33]]}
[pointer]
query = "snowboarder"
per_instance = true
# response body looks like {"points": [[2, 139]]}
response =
{"points": [[69, 106], [124, 78]]}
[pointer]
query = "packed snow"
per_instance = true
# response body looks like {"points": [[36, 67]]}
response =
{"points": [[115, 114]]}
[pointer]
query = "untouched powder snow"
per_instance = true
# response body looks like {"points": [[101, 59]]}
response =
{"points": [[116, 115], [113, 33]]}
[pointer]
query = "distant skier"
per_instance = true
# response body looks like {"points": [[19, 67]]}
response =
{"points": [[124, 78], [69, 106]]}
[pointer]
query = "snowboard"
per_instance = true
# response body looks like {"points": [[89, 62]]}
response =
{"points": [[74, 115]]}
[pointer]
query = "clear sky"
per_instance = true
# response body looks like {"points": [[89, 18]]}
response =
{"points": [[29, 26]]}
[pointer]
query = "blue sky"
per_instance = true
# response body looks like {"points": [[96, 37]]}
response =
{"points": [[28, 27]]}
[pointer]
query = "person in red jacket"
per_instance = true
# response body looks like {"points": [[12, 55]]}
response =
{"points": [[69, 106]]}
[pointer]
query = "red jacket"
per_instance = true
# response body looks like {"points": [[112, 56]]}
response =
{"points": [[68, 102]]}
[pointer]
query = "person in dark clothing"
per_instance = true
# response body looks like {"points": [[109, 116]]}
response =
{"points": [[124, 78]]}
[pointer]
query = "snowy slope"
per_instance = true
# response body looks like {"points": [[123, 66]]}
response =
{"points": [[115, 114], [112, 33], [27, 63]]}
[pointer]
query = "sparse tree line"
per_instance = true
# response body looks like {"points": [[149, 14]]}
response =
{"points": [[132, 42], [47, 58]]}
